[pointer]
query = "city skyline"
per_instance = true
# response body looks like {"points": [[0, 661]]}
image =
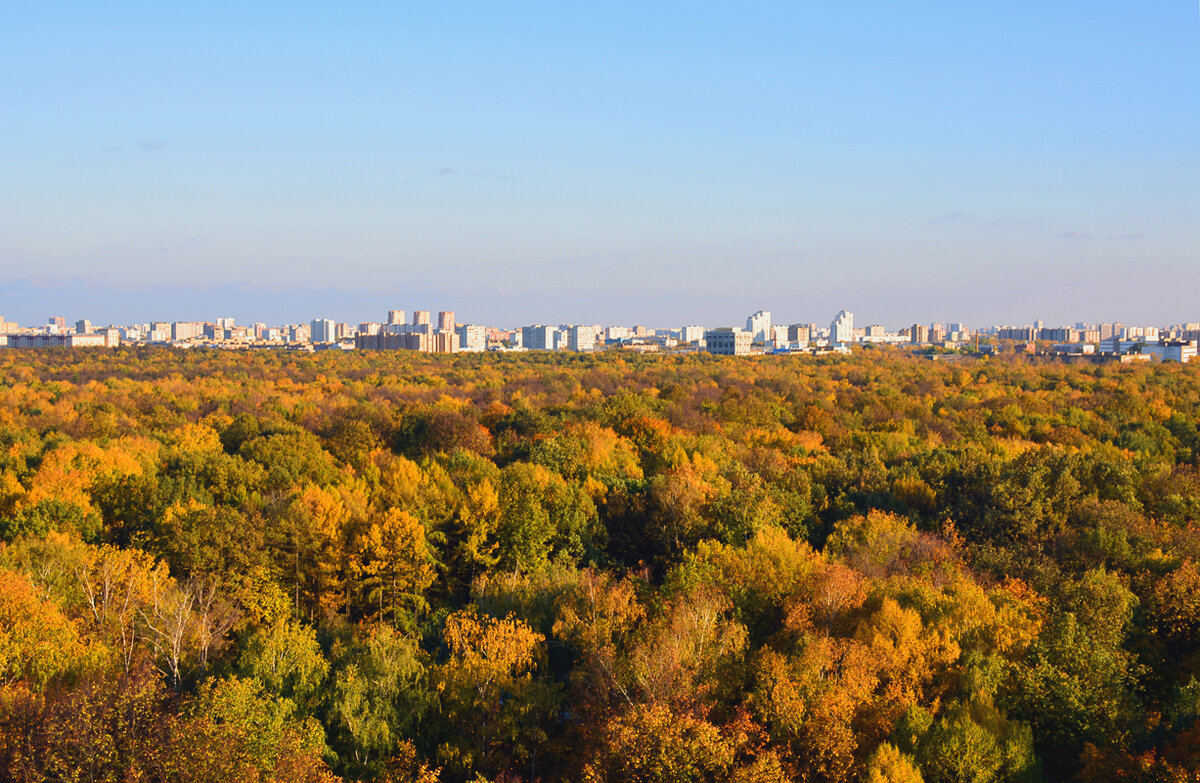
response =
{"points": [[760, 325], [986, 162], [31, 305]]}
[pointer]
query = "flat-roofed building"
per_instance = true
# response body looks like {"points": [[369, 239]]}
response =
{"points": [[323, 330], [581, 338], [1062, 334], [472, 338], [728, 341], [443, 342], [421, 341], [1171, 351], [421, 318], [446, 321], [186, 330], [799, 333], [539, 337], [396, 316], [101, 338], [393, 341]]}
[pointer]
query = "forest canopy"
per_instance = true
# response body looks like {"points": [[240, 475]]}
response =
{"points": [[220, 566]]}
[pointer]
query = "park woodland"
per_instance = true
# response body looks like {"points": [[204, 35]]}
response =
{"points": [[548, 567]]}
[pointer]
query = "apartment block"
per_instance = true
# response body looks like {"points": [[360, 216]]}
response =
{"points": [[728, 341]]}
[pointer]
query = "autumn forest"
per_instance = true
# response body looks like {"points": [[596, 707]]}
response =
{"points": [[388, 566]]}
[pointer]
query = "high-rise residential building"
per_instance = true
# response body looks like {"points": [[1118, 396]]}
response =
{"points": [[1062, 334], [918, 334], [446, 321], [581, 338], [368, 327], [841, 329], [1025, 333], [395, 316], [691, 334], [57, 321], [421, 318], [83, 327], [443, 342], [539, 338], [322, 330], [759, 326], [799, 333], [226, 323], [728, 341], [472, 337], [186, 330]]}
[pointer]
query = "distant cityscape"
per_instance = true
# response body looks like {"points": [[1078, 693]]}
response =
{"points": [[422, 333]]}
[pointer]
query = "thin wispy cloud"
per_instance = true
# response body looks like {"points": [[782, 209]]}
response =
{"points": [[148, 145], [1107, 237], [952, 217]]}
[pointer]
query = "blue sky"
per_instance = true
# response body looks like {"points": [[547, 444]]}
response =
{"points": [[620, 162]]}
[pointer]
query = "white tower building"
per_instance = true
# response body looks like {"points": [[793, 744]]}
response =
{"points": [[841, 331], [759, 326]]}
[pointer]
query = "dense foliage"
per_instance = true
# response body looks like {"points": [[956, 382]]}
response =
{"points": [[402, 567]]}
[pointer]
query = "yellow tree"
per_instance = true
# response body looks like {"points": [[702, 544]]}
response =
{"points": [[651, 744], [889, 765], [596, 619], [397, 564], [489, 693], [117, 585], [477, 522], [37, 642], [685, 652]]}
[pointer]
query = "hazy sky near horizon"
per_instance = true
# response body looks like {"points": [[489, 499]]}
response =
{"points": [[660, 163]]}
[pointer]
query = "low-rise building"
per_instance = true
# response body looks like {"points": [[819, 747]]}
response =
{"points": [[100, 338], [1171, 351]]}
